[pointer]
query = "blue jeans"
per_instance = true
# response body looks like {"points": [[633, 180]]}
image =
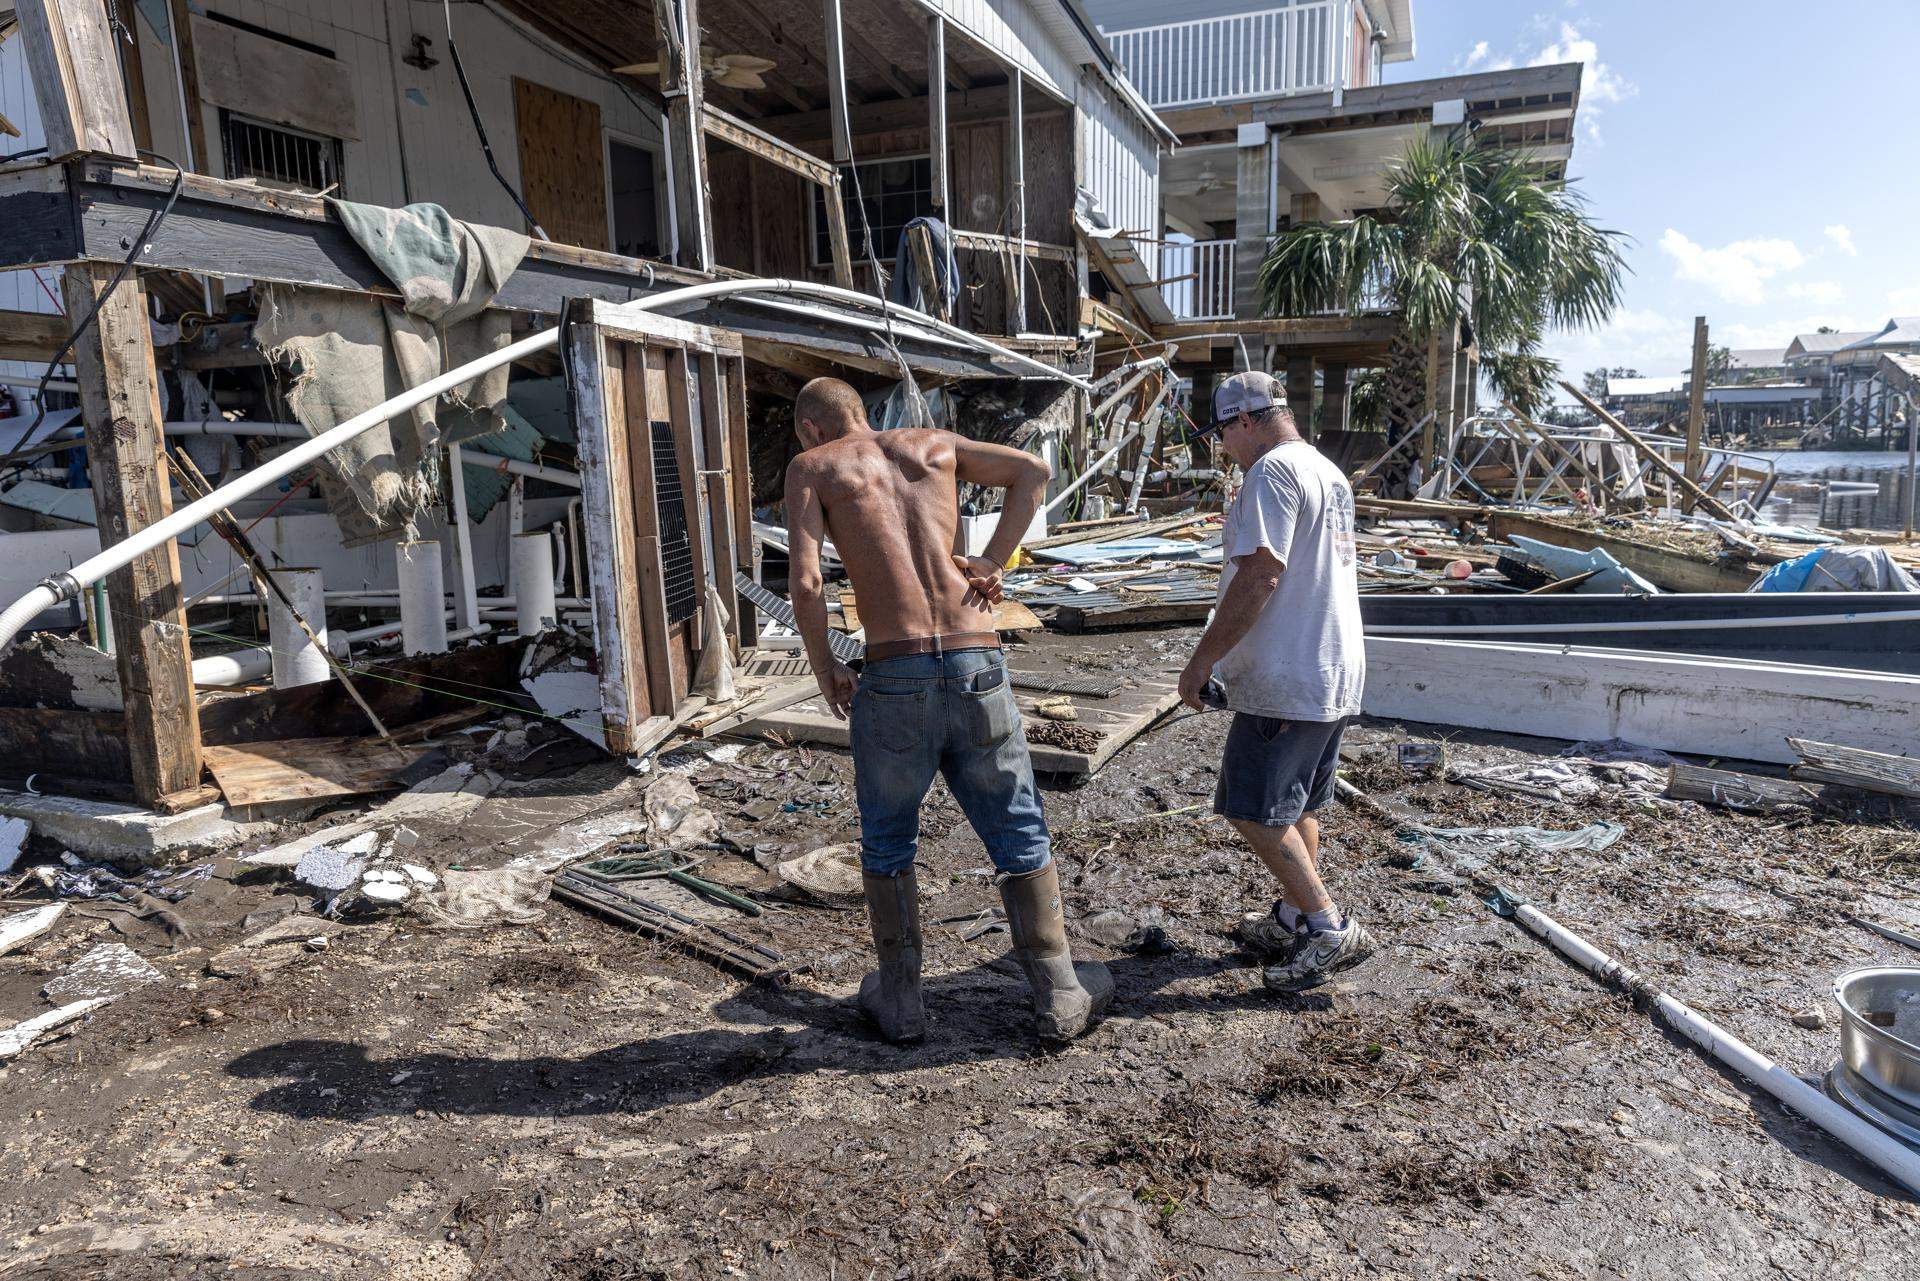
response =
{"points": [[953, 713]]}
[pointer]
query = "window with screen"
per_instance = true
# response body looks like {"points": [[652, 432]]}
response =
{"points": [[896, 192], [280, 157]]}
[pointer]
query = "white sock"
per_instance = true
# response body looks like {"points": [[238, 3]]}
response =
{"points": [[1287, 914], [1327, 920]]}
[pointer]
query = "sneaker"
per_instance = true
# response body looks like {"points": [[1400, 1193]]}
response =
{"points": [[1266, 935], [1319, 955]]}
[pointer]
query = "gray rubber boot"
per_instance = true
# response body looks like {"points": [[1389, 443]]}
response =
{"points": [[1066, 997], [890, 996]]}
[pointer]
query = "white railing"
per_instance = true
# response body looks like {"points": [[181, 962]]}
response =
{"points": [[1247, 55], [1198, 279]]}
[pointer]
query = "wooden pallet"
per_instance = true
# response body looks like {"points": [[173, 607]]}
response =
{"points": [[1119, 719]]}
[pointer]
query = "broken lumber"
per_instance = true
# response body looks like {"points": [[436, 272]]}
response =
{"points": [[1856, 767], [1734, 790]]}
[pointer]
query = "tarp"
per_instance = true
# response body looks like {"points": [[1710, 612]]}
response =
{"points": [[1838, 569], [350, 352]]}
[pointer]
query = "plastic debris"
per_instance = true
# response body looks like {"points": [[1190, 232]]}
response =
{"points": [[109, 970]]}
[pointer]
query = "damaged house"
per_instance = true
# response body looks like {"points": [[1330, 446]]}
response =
{"points": [[266, 223]]}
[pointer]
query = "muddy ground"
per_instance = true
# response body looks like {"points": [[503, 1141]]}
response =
{"points": [[569, 1100]]}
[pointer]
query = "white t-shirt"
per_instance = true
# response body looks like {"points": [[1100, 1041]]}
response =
{"points": [[1305, 658]]}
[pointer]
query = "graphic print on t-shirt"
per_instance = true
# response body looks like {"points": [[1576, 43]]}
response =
{"points": [[1340, 522]]}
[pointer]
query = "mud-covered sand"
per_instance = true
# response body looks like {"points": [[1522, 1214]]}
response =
{"points": [[570, 1100]]}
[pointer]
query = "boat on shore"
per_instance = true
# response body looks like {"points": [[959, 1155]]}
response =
{"points": [[1864, 631]]}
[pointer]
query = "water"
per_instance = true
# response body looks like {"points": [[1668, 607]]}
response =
{"points": [[1884, 509]]}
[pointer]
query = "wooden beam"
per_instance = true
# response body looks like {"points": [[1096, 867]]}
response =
{"points": [[32, 336], [882, 64], [842, 136], [988, 242], [937, 114], [1696, 407], [76, 77], [731, 129], [1017, 175], [787, 89], [180, 23], [677, 22], [976, 106], [120, 402], [1291, 330], [1653, 457]]}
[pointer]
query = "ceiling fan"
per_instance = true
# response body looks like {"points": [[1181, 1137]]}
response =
{"points": [[733, 70], [1198, 185]]}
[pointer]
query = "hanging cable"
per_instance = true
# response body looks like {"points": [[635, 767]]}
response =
{"points": [[479, 127]]}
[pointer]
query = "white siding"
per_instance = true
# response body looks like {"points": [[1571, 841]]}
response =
{"points": [[19, 291], [1121, 157], [1011, 29]]}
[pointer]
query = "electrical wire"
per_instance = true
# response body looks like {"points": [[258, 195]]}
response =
{"points": [[479, 127]]}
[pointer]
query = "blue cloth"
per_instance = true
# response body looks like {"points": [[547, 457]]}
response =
{"points": [[1789, 575], [907, 288], [952, 713]]}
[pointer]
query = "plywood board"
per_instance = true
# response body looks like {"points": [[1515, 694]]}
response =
{"points": [[274, 81], [1118, 721], [562, 168], [307, 768]]}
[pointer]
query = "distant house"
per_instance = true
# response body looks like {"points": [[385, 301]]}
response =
{"points": [[1283, 115], [1866, 405]]}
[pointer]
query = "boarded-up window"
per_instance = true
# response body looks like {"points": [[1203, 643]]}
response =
{"points": [[562, 166]]}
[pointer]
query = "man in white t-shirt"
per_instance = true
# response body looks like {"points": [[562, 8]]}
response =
{"points": [[1284, 651]]}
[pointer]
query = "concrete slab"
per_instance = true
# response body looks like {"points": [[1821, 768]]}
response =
{"points": [[103, 829]]}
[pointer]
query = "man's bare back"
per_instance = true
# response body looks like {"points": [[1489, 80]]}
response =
{"points": [[890, 501], [892, 508]]}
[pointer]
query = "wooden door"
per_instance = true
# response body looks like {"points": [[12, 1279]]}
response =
{"points": [[562, 164]]}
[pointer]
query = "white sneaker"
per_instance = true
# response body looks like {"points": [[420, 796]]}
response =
{"points": [[1265, 934], [1320, 955]]}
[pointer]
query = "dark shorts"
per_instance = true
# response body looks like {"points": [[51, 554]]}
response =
{"points": [[1274, 770]]}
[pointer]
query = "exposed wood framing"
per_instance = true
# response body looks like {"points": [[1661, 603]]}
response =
{"points": [[31, 335], [988, 242], [732, 129], [180, 24], [1653, 457], [120, 401], [1017, 180], [1696, 408], [76, 77], [677, 23], [976, 106], [632, 372], [937, 114]]}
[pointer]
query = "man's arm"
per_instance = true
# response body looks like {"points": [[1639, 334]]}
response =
{"points": [[806, 528], [1255, 577], [1024, 477]]}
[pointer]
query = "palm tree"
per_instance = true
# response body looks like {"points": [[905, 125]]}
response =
{"points": [[1469, 234]]}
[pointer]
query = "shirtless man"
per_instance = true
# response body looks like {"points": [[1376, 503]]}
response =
{"points": [[933, 692]]}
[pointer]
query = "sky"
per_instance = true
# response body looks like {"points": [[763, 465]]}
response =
{"points": [[1759, 154]]}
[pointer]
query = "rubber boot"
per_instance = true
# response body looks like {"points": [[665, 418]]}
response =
{"points": [[1066, 997], [890, 996]]}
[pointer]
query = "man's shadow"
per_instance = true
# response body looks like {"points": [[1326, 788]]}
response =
{"points": [[976, 1015]]}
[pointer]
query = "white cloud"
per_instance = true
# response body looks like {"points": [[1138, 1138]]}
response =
{"points": [[1842, 237], [1738, 272], [1600, 84], [1824, 292], [1649, 341], [1904, 301]]}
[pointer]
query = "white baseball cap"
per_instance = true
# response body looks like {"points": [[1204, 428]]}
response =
{"points": [[1242, 393]]}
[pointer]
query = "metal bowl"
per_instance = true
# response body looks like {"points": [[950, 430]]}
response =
{"points": [[1880, 1029]]}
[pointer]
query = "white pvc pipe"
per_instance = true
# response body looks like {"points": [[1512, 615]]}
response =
{"points": [[67, 584], [422, 589], [532, 582], [1900, 1162], [296, 659], [244, 665]]}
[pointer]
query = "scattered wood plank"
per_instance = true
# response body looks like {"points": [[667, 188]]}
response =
{"points": [[307, 769], [1856, 767], [1734, 790]]}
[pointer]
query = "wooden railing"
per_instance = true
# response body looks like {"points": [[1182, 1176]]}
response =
{"points": [[1249, 55]]}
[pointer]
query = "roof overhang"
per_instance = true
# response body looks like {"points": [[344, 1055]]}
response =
{"points": [[1394, 20]]}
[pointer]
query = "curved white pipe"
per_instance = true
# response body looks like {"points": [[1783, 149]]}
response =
{"points": [[67, 585]]}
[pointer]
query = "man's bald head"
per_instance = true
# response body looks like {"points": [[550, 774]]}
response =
{"points": [[827, 409]]}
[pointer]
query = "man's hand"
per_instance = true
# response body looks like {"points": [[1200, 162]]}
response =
{"points": [[1194, 679], [983, 580], [837, 682]]}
